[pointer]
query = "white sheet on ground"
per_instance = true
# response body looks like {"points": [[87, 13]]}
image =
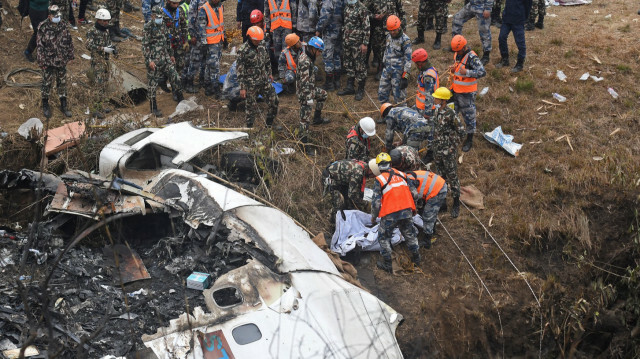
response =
{"points": [[356, 229]]}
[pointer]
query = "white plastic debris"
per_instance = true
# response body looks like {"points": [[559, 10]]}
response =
{"points": [[559, 97], [33, 123], [584, 76], [138, 292], [9, 29], [22, 106], [85, 56], [561, 76], [233, 51], [497, 137], [608, 16], [186, 106], [484, 91], [597, 79], [612, 92], [128, 316]]}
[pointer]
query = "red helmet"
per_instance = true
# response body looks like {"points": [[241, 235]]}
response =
{"points": [[419, 55], [256, 16]]}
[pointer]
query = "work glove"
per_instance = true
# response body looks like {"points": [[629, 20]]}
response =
{"points": [[404, 83], [310, 102], [185, 46], [109, 49]]}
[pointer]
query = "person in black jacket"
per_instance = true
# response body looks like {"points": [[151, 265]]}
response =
{"points": [[243, 14], [514, 16]]}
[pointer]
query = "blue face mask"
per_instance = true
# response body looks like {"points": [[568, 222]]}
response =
{"points": [[55, 20], [364, 135], [437, 106], [158, 21]]}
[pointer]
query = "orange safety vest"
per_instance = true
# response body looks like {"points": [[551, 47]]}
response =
{"points": [[396, 194], [215, 24], [354, 133], [421, 97], [291, 64], [280, 17], [463, 84], [430, 184]]}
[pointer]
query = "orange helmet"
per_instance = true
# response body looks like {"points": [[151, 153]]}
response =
{"points": [[256, 16], [393, 23], [458, 42], [255, 33], [384, 108], [419, 55], [291, 39]]}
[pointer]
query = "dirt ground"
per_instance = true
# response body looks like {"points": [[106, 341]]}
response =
{"points": [[564, 212]]}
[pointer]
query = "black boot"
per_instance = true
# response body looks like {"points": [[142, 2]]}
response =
{"points": [[163, 85], [540, 23], [427, 240], [309, 150], [317, 118], [455, 210], [127, 7], [529, 26], [336, 80], [154, 107], [46, 110], [468, 143], [178, 96], [190, 87], [349, 90], [209, 90], [504, 62], [360, 93], [63, 107], [437, 44], [419, 39], [429, 24], [495, 16], [485, 58], [233, 104], [328, 82], [415, 258], [386, 265], [519, 66]]}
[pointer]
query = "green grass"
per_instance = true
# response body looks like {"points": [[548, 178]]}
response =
{"points": [[504, 99], [556, 42], [623, 68], [569, 54], [524, 85]]}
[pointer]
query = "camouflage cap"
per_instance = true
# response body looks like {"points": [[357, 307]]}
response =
{"points": [[157, 10], [54, 10]]}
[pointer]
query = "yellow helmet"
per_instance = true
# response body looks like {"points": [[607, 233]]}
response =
{"points": [[383, 157], [442, 93]]}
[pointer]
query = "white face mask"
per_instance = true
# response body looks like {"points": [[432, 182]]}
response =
{"points": [[158, 21], [55, 20]]}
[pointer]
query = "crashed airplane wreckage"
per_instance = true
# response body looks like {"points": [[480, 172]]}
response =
{"points": [[285, 299]]}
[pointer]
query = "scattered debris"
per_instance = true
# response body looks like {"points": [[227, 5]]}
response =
{"points": [[497, 137], [484, 91], [567, 138], [613, 93], [491, 221], [85, 56], [584, 76], [63, 137], [186, 106], [199, 281], [561, 76], [15, 353], [31, 129], [130, 265], [598, 158], [596, 59], [615, 131], [472, 197], [558, 97]]}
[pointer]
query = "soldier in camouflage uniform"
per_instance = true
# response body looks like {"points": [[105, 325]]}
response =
{"points": [[409, 122], [448, 133], [344, 182], [308, 93], [359, 139], [176, 21], [481, 10], [147, 5], [496, 20], [196, 63], [380, 10], [156, 48], [307, 18], [355, 38], [432, 194], [213, 50], [403, 194], [428, 8], [278, 33], [397, 64], [537, 10], [405, 158], [55, 50], [231, 88], [63, 7], [287, 63], [254, 76], [99, 43], [114, 7], [329, 27]]}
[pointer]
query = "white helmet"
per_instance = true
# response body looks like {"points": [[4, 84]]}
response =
{"points": [[103, 14], [368, 125], [373, 166]]}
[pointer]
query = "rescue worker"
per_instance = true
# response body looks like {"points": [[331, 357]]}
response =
{"points": [[380, 10], [359, 139], [175, 18], [405, 158], [279, 20], [244, 9], [198, 50], [397, 63], [432, 193], [465, 73], [99, 43], [55, 50], [428, 82], [156, 49], [147, 6], [329, 27], [114, 7], [427, 10], [307, 19], [516, 13], [308, 93], [231, 88], [447, 135], [355, 42], [211, 36], [254, 76], [287, 65], [496, 20], [409, 122], [481, 10], [258, 20], [344, 182], [538, 9], [394, 203]]}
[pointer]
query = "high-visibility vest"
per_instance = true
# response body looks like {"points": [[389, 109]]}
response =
{"points": [[215, 24], [354, 133], [463, 84], [291, 63], [421, 97], [396, 194], [430, 184], [280, 17]]}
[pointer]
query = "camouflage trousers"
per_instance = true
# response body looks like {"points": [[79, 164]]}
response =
{"points": [[403, 221], [537, 9], [332, 51], [51, 74], [319, 96], [179, 54], [114, 7], [447, 167], [465, 104], [212, 68], [377, 40], [354, 62], [431, 209], [269, 95], [196, 62], [390, 83], [289, 77], [339, 199], [431, 8], [164, 70], [277, 37], [497, 7], [484, 25], [100, 70]]}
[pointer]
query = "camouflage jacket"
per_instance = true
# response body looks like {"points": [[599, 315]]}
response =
{"points": [[282, 60], [356, 26], [357, 146], [448, 132], [385, 7], [203, 20], [155, 44], [410, 159], [55, 47], [399, 119], [307, 15], [96, 40], [376, 201], [253, 65], [176, 22], [330, 19], [305, 77], [267, 13], [474, 66], [146, 7], [349, 173], [397, 53], [194, 14], [114, 5]]}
